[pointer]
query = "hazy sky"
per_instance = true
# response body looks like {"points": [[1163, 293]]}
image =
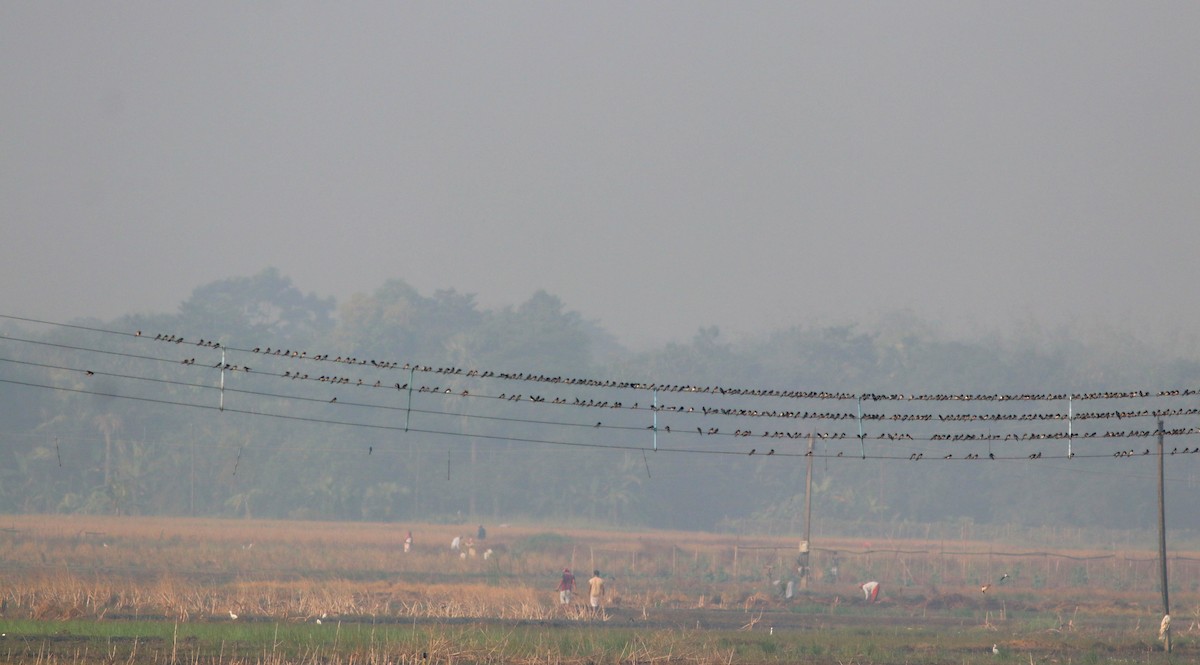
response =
{"points": [[660, 166]]}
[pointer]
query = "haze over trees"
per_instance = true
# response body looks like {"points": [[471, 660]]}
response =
{"points": [[118, 441]]}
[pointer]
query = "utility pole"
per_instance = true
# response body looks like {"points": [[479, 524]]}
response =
{"points": [[192, 445], [805, 546], [1162, 541]]}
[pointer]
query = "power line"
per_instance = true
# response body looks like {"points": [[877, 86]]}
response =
{"points": [[646, 386], [701, 410], [668, 449], [737, 433], [755, 438]]}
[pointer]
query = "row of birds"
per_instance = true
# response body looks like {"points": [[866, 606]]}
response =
{"points": [[221, 366], [716, 390], [738, 412], [1061, 436], [1121, 415], [1174, 451], [963, 397], [1102, 415], [1146, 433], [1038, 436], [339, 359], [1026, 397], [888, 436], [918, 456], [963, 417], [518, 376]]}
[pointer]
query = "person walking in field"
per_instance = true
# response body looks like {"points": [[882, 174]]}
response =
{"points": [[566, 587], [596, 590], [408, 542]]}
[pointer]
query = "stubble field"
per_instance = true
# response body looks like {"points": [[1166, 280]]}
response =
{"points": [[157, 590]]}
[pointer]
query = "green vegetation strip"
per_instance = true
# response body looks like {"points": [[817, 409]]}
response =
{"points": [[264, 642]]}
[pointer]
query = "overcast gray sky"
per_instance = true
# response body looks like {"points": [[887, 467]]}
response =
{"points": [[660, 166]]}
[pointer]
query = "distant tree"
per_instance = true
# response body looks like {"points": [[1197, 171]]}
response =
{"points": [[539, 335], [398, 323], [266, 308]]}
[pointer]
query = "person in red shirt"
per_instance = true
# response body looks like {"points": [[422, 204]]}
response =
{"points": [[566, 586]]}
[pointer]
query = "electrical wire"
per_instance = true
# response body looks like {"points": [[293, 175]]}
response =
{"points": [[645, 386], [890, 437], [738, 433], [668, 449], [702, 409]]}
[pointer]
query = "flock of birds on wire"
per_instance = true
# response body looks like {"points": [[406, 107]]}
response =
{"points": [[742, 412], [686, 388]]}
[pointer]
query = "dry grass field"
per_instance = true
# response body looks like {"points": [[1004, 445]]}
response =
{"points": [[158, 590]]}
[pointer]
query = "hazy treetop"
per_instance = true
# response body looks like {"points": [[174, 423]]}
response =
{"points": [[660, 167]]}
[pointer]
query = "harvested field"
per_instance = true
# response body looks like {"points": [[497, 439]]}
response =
{"points": [[154, 590]]}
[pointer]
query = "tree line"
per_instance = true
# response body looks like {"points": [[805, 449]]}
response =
{"points": [[109, 444]]}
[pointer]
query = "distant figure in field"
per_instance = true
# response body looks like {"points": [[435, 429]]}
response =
{"points": [[566, 586], [596, 589], [871, 591], [408, 542], [482, 533], [456, 544]]}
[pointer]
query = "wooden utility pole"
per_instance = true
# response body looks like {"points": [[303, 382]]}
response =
{"points": [[1162, 540], [806, 545]]}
